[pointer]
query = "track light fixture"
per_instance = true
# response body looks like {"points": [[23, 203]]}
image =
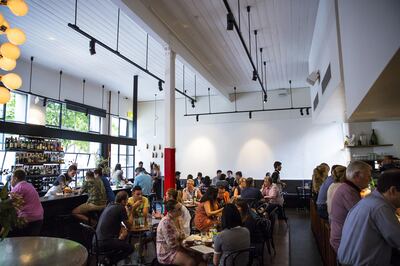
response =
{"points": [[301, 112], [197, 118], [160, 88], [44, 102], [229, 21], [265, 98], [308, 111], [92, 47], [250, 115], [255, 75], [193, 106]]}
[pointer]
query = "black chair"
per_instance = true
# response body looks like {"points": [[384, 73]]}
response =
{"points": [[303, 195], [230, 260], [92, 244], [270, 239]]}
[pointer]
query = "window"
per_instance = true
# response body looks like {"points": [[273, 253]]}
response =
{"points": [[16, 107], [1, 111], [123, 155], [53, 111], [94, 123], [74, 120], [123, 127], [114, 126]]}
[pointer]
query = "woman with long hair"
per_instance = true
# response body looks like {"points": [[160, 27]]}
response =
{"points": [[339, 176], [238, 189], [320, 173], [207, 211]]}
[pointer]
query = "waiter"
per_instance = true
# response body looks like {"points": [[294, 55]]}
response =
{"points": [[64, 179]]}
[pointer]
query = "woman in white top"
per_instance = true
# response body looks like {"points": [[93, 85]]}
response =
{"points": [[118, 175], [339, 176]]}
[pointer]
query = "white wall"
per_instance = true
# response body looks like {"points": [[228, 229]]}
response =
{"points": [[370, 35], [234, 142], [45, 82], [324, 52]]}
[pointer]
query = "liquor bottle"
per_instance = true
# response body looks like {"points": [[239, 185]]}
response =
{"points": [[374, 139]]}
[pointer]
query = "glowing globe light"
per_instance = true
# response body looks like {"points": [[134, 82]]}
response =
{"points": [[7, 64], [10, 51], [12, 81], [5, 95], [16, 36], [18, 7]]}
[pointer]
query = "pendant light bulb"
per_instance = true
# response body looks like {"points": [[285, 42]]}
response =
{"points": [[10, 51], [16, 36], [7, 64], [18, 7], [12, 81], [5, 95]]}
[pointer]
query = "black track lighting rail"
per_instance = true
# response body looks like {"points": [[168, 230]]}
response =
{"points": [[301, 108], [236, 26], [117, 53]]}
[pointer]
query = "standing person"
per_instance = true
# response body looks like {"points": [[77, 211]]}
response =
{"points": [[110, 235], [216, 178], [138, 205], [178, 184], [371, 229], [207, 211], [169, 239], [358, 176], [98, 173], [118, 175], [232, 238], [64, 179], [97, 198], [31, 210], [199, 179], [183, 222], [190, 192], [323, 195], [145, 182], [276, 175], [238, 176], [156, 176]]}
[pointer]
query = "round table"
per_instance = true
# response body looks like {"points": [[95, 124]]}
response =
{"points": [[42, 251]]}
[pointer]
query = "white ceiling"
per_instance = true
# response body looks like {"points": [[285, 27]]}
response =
{"points": [[285, 29], [55, 45]]}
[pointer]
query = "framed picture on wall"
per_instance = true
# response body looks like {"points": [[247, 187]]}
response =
{"points": [[162, 155], [152, 155], [159, 146], [155, 154], [147, 145], [154, 147]]}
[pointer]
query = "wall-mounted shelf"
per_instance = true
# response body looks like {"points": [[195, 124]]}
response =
{"points": [[368, 146]]}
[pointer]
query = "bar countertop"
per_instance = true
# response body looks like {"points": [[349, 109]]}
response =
{"points": [[75, 194]]}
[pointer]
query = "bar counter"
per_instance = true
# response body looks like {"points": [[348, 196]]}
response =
{"points": [[58, 220]]}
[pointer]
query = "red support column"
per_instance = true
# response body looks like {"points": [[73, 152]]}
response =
{"points": [[169, 168]]}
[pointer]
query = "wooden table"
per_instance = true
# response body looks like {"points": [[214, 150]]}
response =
{"points": [[42, 251], [198, 248]]}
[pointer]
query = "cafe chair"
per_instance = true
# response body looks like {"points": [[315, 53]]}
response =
{"points": [[92, 244], [270, 239], [233, 258]]}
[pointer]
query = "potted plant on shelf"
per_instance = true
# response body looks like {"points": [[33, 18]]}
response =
{"points": [[10, 203]]}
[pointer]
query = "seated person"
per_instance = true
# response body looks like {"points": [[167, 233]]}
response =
{"points": [[207, 211], [271, 194], [98, 173], [249, 220], [169, 238], [238, 189], [110, 234], [223, 195], [233, 237], [222, 182], [190, 192], [199, 179], [97, 198], [250, 192], [371, 229], [31, 210], [206, 183], [138, 206], [183, 221], [117, 176]]}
